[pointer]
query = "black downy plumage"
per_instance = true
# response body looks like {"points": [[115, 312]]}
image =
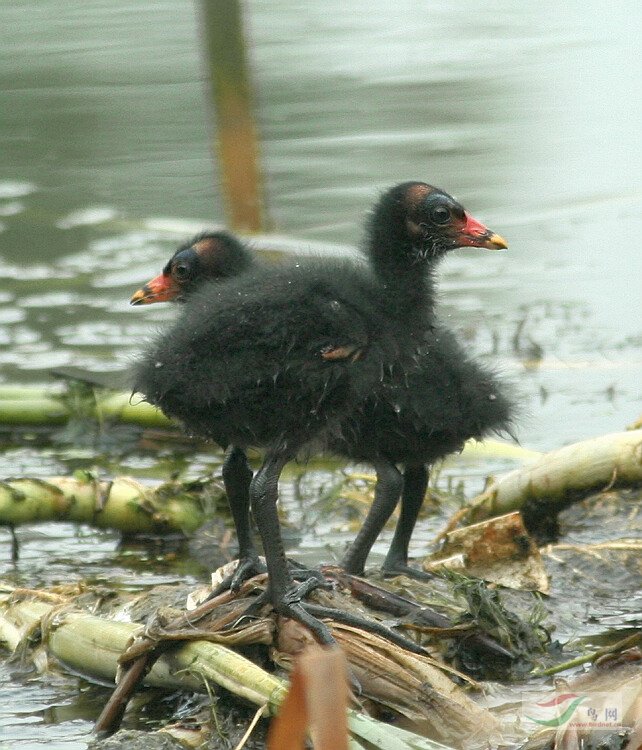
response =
{"points": [[328, 352]]}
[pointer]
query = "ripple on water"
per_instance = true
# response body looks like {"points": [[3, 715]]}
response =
{"points": [[19, 336], [98, 333], [10, 315], [33, 273], [12, 208], [11, 189], [87, 217], [37, 357], [52, 299], [118, 251]]}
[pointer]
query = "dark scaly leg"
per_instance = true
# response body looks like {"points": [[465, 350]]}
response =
{"points": [[237, 476], [284, 595], [387, 492], [415, 481]]}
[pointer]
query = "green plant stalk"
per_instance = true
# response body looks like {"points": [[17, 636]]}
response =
{"points": [[614, 648], [562, 475], [27, 392], [90, 646], [124, 504], [33, 411], [23, 405], [131, 410]]}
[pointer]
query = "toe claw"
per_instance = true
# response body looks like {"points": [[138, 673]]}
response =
{"points": [[390, 571], [297, 593], [247, 568]]}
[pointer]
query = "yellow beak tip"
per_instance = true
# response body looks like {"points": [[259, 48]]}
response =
{"points": [[498, 241]]}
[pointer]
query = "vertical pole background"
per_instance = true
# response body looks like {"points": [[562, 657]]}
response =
{"points": [[236, 134]]}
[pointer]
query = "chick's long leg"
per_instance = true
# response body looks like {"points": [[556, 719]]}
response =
{"points": [[237, 477], [387, 492], [415, 482], [284, 595]]}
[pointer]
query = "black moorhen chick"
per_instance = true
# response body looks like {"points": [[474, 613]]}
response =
{"points": [[281, 356], [447, 400]]}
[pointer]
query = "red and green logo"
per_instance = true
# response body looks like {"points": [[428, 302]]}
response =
{"points": [[562, 705]]}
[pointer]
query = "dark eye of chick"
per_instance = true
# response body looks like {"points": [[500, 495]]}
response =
{"points": [[181, 271], [440, 215]]}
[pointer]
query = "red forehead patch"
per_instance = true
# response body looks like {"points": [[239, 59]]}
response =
{"points": [[203, 246], [417, 193]]}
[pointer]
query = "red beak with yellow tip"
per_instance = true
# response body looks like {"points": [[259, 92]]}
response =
{"points": [[162, 288], [474, 234]]}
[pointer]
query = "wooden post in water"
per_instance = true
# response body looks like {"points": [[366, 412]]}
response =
{"points": [[236, 136]]}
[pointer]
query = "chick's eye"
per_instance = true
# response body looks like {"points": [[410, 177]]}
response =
{"points": [[440, 215], [180, 271]]}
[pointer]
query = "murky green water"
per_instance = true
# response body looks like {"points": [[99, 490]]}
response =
{"points": [[529, 113]]}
